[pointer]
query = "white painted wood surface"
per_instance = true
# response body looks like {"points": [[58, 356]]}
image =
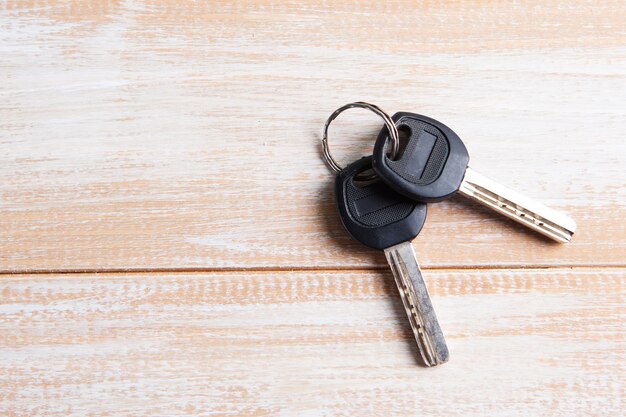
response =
{"points": [[522, 342], [136, 136], [180, 140]]}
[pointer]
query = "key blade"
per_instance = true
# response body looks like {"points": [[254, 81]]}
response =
{"points": [[419, 309], [551, 223]]}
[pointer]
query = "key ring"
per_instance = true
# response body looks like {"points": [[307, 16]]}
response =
{"points": [[391, 127]]}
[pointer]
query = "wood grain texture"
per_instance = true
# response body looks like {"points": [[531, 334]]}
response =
{"points": [[172, 134], [180, 140], [523, 342]]}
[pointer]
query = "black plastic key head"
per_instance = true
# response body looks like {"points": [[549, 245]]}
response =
{"points": [[374, 214], [431, 166]]}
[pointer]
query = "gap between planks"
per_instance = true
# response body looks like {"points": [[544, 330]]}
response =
{"points": [[298, 269]]}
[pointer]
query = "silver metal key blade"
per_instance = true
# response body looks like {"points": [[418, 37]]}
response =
{"points": [[419, 309], [549, 222]]}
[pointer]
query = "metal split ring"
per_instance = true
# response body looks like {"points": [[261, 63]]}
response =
{"points": [[391, 127]]}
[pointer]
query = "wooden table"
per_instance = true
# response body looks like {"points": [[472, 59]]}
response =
{"points": [[168, 238]]}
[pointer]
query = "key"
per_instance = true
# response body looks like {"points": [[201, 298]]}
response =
{"points": [[382, 219], [434, 166]]}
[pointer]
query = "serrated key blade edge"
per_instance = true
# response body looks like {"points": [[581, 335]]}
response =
{"points": [[419, 309], [532, 214]]}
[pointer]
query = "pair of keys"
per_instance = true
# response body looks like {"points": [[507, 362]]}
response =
{"points": [[382, 204]]}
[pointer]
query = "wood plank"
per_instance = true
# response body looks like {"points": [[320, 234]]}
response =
{"points": [[523, 342], [169, 134]]}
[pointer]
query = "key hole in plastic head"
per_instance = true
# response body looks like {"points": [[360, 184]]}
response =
{"points": [[365, 177], [404, 133]]}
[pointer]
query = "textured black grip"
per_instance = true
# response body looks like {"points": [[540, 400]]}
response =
{"points": [[374, 214], [432, 165]]}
